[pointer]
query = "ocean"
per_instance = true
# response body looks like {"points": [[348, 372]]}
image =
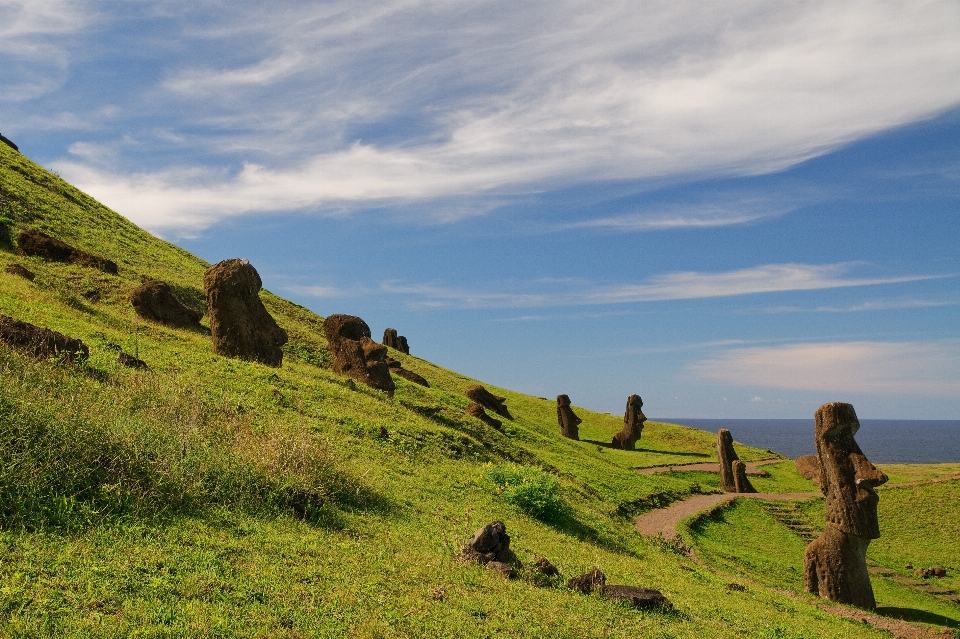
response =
{"points": [[883, 441]]}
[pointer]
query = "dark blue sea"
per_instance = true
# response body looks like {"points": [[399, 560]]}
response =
{"points": [[883, 441]]}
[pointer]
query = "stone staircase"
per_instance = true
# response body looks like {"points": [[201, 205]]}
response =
{"points": [[787, 513]]}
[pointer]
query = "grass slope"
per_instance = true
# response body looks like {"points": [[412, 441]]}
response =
{"points": [[156, 504]]}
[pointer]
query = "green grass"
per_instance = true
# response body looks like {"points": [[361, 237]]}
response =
{"points": [[156, 504]]}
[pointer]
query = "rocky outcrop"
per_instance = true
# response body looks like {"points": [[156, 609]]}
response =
{"points": [[835, 564], [727, 456], [39, 244], [354, 354], [588, 582], [740, 481], [633, 419], [491, 546], [476, 410], [240, 325], [567, 419], [154, 300], [488, 400], [41, 342], [16, 269]]}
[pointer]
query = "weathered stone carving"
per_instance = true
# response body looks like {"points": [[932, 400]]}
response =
{"points": [[491, 546], [390, 338], [410, 376], [154, 300], [835, 564], [635, 596], [476, 410], [727, 456], [485, 398], [633, 419], [41, 342], [403, 346], [740, 481], [809, 468], [239, 323], [42, 245], [567, 418], [354, 354], [588, 582]]}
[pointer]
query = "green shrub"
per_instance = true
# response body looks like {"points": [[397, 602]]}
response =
{"points": [[530, 489]]}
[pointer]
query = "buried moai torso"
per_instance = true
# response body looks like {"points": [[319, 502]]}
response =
{"points": [[633, 419], [355, 354], [568, 420], [733, 472], [835, 565]]}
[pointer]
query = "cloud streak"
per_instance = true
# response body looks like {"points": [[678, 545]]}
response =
{"points": [[929, 369]]}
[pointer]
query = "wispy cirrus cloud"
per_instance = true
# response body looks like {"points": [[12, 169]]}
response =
{"points": [[768, 278], [874, 305], [930, 369]]}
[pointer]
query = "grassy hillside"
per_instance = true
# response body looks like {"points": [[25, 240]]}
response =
{"points": [[158, 503]]}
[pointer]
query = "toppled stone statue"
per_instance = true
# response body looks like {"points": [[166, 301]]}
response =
{"points": [[635, 596], [488, 400], [476, 410], [42, 245], [354, 354], [154, 300], [391, 339], [567, 418], [403, 346], [239, 323], [809, 468], [588, 582], [491, 546], [740, 481], [16, 269], [633, 419], [727, 456], [835, 564], [410, 376], [41, 342]]}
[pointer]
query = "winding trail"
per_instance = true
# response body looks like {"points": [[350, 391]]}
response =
{"points": [[753, 468]]}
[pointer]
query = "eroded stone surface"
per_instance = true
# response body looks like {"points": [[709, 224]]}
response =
{"points": [[727, 456], [546, 567], [569, 422], [391, 339], [125, 359], [354, 354], [41, 342], [491, 544], [239, 323], [633, 419], [588, 582], [154, 300], [740, 480], [835, 564], [636, 596], [488, 400], [42, 245], [410, 376], [403, 347], [809, 468]]}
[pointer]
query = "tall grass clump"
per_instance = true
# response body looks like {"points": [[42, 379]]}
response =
{"points": [[74, 451], [528, 488]]}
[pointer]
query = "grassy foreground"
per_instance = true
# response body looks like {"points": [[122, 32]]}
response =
{"points": [[156, 503]]}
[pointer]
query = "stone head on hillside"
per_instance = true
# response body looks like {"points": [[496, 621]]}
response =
{"points": [[42, 245], [726, 455], [633, 419], [154, 300], [391, 339], [835, 565], [240, 324], [488, 400], [354, 353], [568, 420]]}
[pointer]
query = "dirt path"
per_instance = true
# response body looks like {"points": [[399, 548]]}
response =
{"points": [[753, 468], [665, 520]]}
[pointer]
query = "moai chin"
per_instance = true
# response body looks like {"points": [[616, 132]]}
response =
{"points": [[835, 564], [633, 419], [567, 418]]}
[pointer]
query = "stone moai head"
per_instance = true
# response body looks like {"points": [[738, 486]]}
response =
{"points": [[633, 416], [848, 478], [355, 354]]}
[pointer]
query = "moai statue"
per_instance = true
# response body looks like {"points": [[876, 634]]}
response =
{"points": [[727, 456], [239, 323], [485, 398], [567, 419], [740, 480], [835, 564], [402, 345], [354, 354], [633, 419], [390, 338]]}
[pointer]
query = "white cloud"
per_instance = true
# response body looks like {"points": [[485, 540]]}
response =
{"points": [[496, 97], [890, 368]]}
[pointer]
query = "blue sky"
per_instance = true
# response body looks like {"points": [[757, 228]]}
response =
{"points": [[743, 209]]}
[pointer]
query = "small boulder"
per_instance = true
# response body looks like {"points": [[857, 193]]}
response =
{"points": [[740, 480], [488, 400], [130, 361], [154, 300], [545, 567], [354, 354], [42, 245], [490, 543], [636, 596], [16, 269], [476, 410], [587, 583], [239, 323], [633, 419], [567, 419], [41, 342]]}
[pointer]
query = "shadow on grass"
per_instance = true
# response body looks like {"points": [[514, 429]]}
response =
{"points": [[922, 616], [678, 453]]}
